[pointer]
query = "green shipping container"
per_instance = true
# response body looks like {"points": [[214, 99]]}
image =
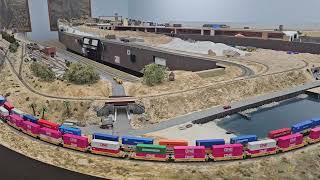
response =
{"points": [[151, 149]]}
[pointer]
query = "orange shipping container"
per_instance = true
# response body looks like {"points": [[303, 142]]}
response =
{"points": [[172, 143]]}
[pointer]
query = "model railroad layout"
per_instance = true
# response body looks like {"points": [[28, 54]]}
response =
{"points": [[240, 147]]}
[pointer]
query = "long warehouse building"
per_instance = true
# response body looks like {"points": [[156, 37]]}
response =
{"points": [[131, 57]]}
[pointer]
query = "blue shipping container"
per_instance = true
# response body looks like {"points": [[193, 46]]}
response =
{"points": [[70, 130], [130, 140], [210, 142], [316, 122], [302, 126], [106, 137], [243, 139], [28, 117]]}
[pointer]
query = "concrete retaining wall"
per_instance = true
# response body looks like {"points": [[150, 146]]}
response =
{"points": [[280, 45]]}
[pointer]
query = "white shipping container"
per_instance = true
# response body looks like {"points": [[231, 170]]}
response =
{"points": [[264, 144], [103, 144], [4, 111], [17, 112]]}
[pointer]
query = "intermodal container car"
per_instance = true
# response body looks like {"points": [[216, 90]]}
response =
{"points": [[31, 128], [17, 112], [2, 100], [129, 142], [302, 127], [274, 134], [105, 147], [8, 106], [48, 124], [106, 137], [261, 148], [316, 122], [208, 143], [189, 153], [227, 152], [28, 117], [150, 152], [289, 142], [70, 130], [76, 142], [4, 113], [314, 135], [50, 135], [243, 139], [15, 121]]}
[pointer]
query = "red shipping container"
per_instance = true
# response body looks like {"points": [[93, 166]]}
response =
{"points": [[106, 150], [75, 142], [31, 128], [279, 133], [48, 124], [269, 150], [315, 133], [227, 150], [16, 120], [189, 152], [290, 141], [8, 106]]}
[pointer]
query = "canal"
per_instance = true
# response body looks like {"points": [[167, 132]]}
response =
{"points": [[278, 115]]}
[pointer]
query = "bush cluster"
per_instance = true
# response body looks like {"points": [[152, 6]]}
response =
{"points": [[154, 74], [8, 37], [81, 74], [13, 47], [42, 71]]}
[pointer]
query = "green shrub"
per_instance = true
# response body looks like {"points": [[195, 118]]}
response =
{"points": [[154, 74], [42, 71], [81, 74], [13, 47]]}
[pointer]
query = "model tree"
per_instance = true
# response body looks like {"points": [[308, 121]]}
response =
{"points": [[81, 74], [154, 74], [33, 106]]}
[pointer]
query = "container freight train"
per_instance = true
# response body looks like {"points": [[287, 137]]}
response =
{"points": [[240, 147]]}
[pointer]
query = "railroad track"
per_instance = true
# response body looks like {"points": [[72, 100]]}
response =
{"points": [[98, 66]]}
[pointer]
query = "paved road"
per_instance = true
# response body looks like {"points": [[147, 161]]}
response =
{"points": [[15, 166]]}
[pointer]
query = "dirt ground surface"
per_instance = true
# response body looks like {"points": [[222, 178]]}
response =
{"points": [[149, 38], [164, 107], [311, 33], [22, 98], [65, 89], [284, 166]]}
